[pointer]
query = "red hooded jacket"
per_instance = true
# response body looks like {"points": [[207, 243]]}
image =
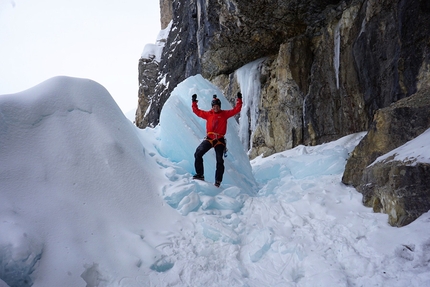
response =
{"points": [[216, 123]]}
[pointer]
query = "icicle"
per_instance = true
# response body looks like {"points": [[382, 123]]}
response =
{"points": [[248, 78], [336, 61]]}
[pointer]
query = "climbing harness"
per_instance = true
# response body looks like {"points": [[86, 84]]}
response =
{"points": [[217, 140]]}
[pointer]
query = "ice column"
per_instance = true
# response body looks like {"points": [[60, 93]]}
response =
{"points": [[248, 78], [336, 52]]}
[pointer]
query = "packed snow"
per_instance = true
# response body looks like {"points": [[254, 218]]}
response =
{"points": [[88, 199]]}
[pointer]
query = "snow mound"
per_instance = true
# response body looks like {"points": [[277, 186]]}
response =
{"points": [[73, 172]]}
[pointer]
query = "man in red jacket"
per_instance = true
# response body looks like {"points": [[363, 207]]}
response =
{"points": [[216, 127]]}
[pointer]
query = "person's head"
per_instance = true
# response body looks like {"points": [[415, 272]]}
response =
{"points": [[216, 104]]}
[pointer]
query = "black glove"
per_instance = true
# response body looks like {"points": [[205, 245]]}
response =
{"points": [[239, 95], [194, 98]]}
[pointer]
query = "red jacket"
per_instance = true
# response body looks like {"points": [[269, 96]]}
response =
{"points": [[216, 123]]}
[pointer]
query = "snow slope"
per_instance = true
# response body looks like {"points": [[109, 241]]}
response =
{"points": [[87, 199], [75, 186]]}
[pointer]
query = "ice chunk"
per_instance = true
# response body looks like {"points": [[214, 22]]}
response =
{"points": [[216, 230], [93, 276], [223, 202], [189, 203], [162, 265], [260, 244], [174, 195]]}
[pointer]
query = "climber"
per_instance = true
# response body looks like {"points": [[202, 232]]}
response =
{"points": [[216, 127]]}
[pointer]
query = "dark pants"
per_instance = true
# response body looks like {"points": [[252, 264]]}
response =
{"points": [[203, 148]]}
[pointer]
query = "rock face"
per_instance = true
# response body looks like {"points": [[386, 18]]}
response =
{"points": [[166, 13], [147, 86], [399, 189], [328, 65], [391, 127], [324, 67]]}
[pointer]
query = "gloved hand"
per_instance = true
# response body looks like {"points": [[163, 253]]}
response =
{"points": [[239, 95], [194, 98]]}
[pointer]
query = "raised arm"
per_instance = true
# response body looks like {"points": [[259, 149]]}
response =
{"points": [[200, 113], [237, 107]]}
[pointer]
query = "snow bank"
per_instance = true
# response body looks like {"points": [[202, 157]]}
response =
{"points": [[75, 190]]}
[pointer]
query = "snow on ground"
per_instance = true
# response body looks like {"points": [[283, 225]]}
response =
{"points": [[87, 199]]}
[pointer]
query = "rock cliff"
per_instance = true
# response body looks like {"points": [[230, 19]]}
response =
{"points": [[327, 65], [397, 188], [324, 67]]}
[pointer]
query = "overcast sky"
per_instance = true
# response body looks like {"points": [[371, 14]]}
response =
{"points": [[97, 39]]}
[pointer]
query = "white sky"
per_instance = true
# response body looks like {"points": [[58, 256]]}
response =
{"points": [[99, 39]]}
